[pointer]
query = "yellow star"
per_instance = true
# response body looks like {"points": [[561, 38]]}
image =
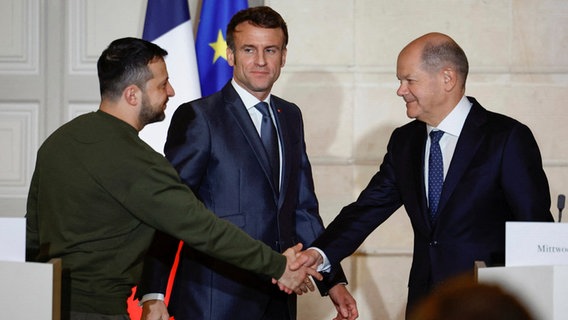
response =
{"points": [[220, 47]]}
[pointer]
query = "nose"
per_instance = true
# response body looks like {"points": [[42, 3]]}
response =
{"points": [[170, 90], [260, 59], [402, 89]]}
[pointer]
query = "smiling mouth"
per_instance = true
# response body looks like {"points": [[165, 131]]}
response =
{"points": [[407, 101]]}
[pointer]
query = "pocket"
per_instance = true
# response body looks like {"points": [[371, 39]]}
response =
{"points": [[237, 219]]}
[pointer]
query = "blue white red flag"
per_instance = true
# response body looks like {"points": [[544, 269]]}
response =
{"points": [[168, 25]]}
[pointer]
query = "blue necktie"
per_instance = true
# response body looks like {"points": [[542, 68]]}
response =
{"points": [[270, 141], [435, 173]]}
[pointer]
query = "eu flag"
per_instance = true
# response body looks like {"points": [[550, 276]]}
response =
{"points": [[211, 45]]}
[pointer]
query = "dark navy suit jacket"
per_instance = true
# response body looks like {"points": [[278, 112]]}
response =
{"points": [[213, 144], [495, 176]]}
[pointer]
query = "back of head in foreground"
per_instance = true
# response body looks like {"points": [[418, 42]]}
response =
{"points": [[464, 299]]}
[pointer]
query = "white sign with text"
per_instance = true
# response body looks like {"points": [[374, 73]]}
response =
{"points": [[536, 244]]}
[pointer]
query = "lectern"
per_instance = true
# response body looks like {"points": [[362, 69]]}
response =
{"points": [[542, 289], [536, 268], [30, 290]]}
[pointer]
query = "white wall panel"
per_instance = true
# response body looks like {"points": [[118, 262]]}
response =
{"points": [[19, 31], [18, 142], [93, 24]]}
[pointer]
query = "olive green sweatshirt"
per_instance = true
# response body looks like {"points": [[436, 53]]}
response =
{"points": [[97, 195]]}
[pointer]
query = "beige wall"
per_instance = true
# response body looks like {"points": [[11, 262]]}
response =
{"points": [[340, 71]]}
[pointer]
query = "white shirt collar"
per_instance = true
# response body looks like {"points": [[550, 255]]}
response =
{"points": [[248, 99], [454, 121]]}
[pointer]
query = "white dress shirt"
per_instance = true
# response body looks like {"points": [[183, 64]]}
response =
{"points": [[250, 101], [452, 126]]}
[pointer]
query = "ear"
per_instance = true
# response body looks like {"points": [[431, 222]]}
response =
{"points": [[449, 77], [131, 94], [230, 57], [284, 51]]}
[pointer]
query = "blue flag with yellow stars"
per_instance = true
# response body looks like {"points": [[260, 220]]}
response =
{"points": [[211, 45]]}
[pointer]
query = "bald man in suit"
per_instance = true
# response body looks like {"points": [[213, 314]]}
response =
{"points": [[490, 171]]}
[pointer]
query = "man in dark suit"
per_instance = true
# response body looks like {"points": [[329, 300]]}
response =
{"points": [[490, 172], [216, 144]]}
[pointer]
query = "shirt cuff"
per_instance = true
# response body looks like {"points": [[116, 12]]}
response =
{"points": [[151, 296], [325, 266]]}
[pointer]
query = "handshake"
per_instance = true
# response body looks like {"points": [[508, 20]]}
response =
{"points": [[299, 266]]}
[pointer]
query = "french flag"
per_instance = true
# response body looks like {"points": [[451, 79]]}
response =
{"points": [[168, 25]]}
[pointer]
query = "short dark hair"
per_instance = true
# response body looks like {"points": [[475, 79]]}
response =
{"points": [[437, 55], [262, 16], [125, 62], [463, 298]]}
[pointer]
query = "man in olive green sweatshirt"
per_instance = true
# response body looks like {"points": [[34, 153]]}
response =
{"points": [[99, 192]]}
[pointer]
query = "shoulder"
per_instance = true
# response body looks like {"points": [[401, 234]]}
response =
{"points": [[200, 107], [91, 128], [286, 108], [412, 128], [492, 121], [279, 102]]}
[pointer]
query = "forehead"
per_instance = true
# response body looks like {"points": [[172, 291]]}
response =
{"points": [[409, 60], [249, 34], [158, 69]]}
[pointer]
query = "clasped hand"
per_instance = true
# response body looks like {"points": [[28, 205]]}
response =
{"points": [[300, 265]]}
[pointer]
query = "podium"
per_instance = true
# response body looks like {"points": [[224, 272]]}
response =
{"points": [[542, 289], [536, 268], [30, 290]]}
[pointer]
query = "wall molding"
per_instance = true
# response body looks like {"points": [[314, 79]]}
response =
{"points": [[80, 62], [19, 53], [19, 144]]}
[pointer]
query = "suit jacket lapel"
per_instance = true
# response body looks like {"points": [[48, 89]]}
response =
{"points": [[284, 135], [417, 148], [238, 111], [466, 147]]}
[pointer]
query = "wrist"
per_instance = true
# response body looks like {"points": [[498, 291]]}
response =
{"points": [[151, 297]]}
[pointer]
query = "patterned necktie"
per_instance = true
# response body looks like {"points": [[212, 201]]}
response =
{"points": [[270, 141], [435, 173]]}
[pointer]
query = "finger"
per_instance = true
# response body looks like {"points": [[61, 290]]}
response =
{"points": [[302, 258], [310, 284], [294, 266], [344, 313], [354, 314], [284, 288], [312, 272], [299, 260], [298, 247], [281, 286]]}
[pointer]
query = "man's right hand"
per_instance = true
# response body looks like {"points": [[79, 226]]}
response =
{"points": [[154, 310], [308, 258], [293, 280]]}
